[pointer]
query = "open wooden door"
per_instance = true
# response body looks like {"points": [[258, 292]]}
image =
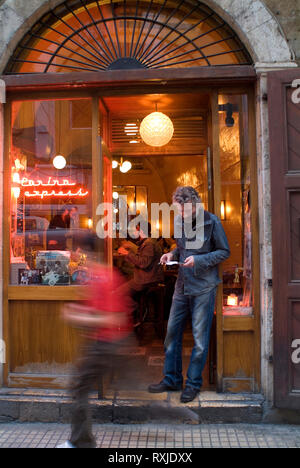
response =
{"points": [[235, 203], [284, 112]]}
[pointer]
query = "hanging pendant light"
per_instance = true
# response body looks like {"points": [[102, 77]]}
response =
{"points": [[59, 161], [156, 129]]}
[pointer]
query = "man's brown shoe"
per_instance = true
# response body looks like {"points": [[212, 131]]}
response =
{"points": [[162, 387]]}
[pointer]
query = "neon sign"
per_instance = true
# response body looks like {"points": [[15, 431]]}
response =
{"points": [[54, 183], [51, 183]]}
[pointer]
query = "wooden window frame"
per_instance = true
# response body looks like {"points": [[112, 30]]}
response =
{"points": [[213, 80]]}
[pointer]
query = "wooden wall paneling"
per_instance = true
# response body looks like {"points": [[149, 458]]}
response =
{"points": [[239, 362], [42, 342]]}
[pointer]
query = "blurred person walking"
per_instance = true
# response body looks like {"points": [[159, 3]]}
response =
{"points": [[104, 316]]}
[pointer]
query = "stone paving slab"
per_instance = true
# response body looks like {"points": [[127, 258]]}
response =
{"points": [[112, 436]]}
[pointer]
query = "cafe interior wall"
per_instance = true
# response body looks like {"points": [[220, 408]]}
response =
{"points": [[270, 30]]}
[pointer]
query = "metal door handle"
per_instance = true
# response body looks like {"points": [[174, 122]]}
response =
{"points": [[209, 176]]}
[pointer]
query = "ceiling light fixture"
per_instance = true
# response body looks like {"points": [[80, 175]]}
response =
{"points": [[132, 131], [157, 129]]}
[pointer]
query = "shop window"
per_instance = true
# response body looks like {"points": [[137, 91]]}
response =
{"points": [[236, 204], [51, 191]]}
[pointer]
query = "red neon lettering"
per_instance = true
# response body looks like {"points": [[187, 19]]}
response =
{"points": [[50, 183], [25, 182], [45, 194]]}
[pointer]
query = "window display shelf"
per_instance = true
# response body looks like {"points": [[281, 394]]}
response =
{"points": [[46, 293]]}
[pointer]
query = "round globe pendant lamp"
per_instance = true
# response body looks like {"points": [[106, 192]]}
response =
{"points": [[59, 162], [156, 129]]}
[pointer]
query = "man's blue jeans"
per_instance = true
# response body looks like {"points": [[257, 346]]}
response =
{"points": [[201, 309]]}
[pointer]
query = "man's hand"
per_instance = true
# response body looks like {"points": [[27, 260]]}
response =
{"points": [[123, 251], [166, 258], [189, 262]]}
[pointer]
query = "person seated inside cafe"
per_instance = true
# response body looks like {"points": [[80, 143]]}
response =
{"points": [[57, 230], [146, 261]]}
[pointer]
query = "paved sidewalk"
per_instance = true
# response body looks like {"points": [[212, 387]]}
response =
{"points": [[38, 435]]}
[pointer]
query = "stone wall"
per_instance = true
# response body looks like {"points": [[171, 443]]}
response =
{"points": [[287, 13]]}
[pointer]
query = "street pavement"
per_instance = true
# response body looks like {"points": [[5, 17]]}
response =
{"points": [[136, 436]]}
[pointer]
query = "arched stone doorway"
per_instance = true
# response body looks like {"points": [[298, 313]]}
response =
{"points": [[251, 21]]}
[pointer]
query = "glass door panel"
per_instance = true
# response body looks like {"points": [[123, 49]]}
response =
{"points": [[236, 203]]}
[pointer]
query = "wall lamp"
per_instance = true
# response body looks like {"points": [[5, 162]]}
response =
{"points": [[229, 109], [125, 166]]}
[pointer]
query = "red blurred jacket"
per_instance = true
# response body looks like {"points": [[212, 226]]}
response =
{"points": [[106, 298]]}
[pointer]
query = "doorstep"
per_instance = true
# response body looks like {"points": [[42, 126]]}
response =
{"points": [[130, 407]]}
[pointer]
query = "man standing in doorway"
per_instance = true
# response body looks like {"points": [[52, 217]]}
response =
{"points": [[195, 290]]}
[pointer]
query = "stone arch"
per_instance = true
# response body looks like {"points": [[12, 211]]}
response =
{"points": [[253, 22]]}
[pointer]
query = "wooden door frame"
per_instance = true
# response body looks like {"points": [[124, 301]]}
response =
{"points": [[228, 324], [215, 80], [212, 76]]}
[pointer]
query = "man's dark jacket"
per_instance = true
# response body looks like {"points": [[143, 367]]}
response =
{"points": [[204, 276], [146, 262]]}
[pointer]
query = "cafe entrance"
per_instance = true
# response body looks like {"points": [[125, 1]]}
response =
{"points": [[68, 136]]}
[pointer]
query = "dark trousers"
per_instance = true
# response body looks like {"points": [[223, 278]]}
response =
{"points": [[97, 358], [133, 288], [201, 310]]}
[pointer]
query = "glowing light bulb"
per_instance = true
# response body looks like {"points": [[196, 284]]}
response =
{"points": [[126, 166], [115, 195], [115, 164], [232, 300], [59, 162]]}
